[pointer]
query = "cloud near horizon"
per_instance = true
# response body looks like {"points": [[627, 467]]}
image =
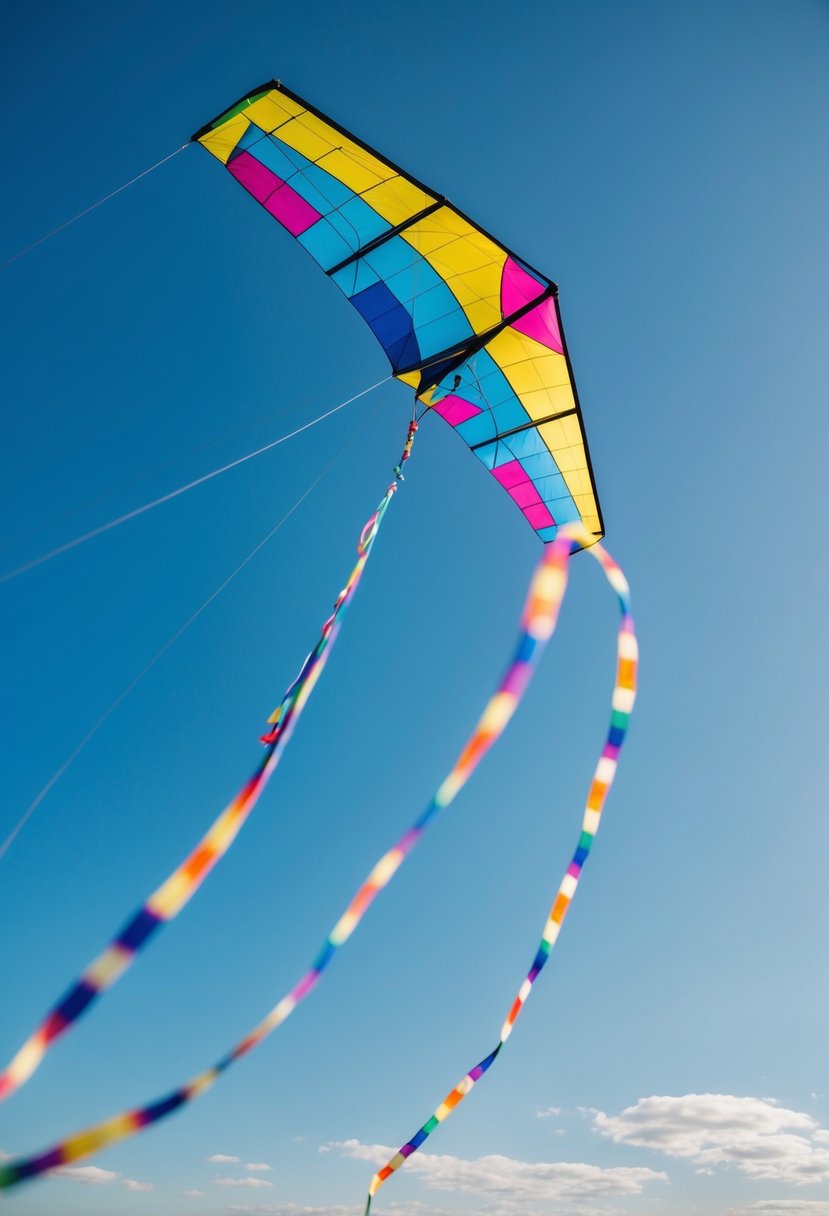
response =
{"points": [[93, 1175], [507, 1180], [785, 1207], [753, 1135], [249, 1182]]}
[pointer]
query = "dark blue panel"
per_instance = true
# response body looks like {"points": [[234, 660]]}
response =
{"points": [[391, 323]]}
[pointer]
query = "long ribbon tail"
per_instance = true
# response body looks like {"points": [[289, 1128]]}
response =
{"points": [[178, 889], [537, 624], [554, 567]]}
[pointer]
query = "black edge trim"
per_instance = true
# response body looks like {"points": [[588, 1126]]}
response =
{"points": [[386, 236], [581, 421], [525, 426]]}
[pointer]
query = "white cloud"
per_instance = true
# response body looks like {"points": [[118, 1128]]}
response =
{"points": [[92, 1175], [223, 1159], [508, 1180], [258, 1167], [132, 1185], [251, 1182], [298, 1209], [193, 1194], [785, 1207], [549, 1112], [755, 1135]]}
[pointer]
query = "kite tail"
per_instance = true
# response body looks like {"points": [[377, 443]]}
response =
{"points": [[179, 888], [624, 694], [537, 624]]}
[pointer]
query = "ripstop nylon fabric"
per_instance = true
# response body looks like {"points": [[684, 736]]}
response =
{"points": [[470, 326]]}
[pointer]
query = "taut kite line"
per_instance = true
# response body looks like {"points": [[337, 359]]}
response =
{"points": [[476, 332]]}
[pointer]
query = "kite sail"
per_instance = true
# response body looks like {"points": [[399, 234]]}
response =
{"points": [[470, 326]]}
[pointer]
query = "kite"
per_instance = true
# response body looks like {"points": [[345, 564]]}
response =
{"points": [[470, 326], [476, 333]]}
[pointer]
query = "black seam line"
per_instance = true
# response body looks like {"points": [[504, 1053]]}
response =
{"points": [[386, 236], [477, 343], [525, 426], [278, 86]]}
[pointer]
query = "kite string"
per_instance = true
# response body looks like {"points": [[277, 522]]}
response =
{"points": [[136, 680], [179, 887], [537, 625], [190, 485], [93, 206], [624, 695]]}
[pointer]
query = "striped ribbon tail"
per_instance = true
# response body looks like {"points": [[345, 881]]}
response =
{"points": [[554, 568], [537, 624], [178, 889]]}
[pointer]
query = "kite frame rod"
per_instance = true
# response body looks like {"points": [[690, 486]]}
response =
{"points": [[525, 426], [477, 342], [386, 236]]}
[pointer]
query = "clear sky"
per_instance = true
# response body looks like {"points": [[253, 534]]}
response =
{"points": [[666, 165]]}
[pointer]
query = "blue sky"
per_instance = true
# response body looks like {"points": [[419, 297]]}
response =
{"points": [[666, 165]]}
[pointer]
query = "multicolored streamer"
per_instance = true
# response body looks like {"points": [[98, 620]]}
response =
{"points": [[553, 569], [179, 888], [537, 624]]}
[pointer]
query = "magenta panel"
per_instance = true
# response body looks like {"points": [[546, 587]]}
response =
{"points": [[513, 477], [281, 200], [525, 494], [539, 516], [455, 410], [517, 289], [510, 473]]}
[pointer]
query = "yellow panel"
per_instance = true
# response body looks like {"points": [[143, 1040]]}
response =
{"points": [[272, 110], [470, 263], [541, 381], [396, 199], [413, 379], [566, 442], [224, 139], [345, 159], [538, 375]]}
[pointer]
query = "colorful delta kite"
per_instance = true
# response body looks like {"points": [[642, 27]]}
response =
{"points": [[471, 327], [476, 332]]}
